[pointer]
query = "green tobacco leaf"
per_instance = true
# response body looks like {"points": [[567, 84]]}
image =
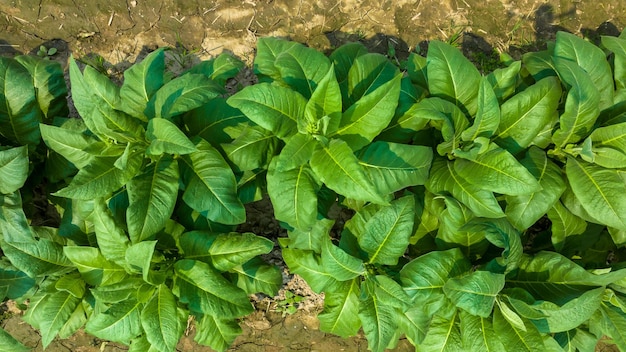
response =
{"points": [[367, 74], [118, 292], [452, 232], [501, 234], [49, 82], [141, 344], [444, 179], [368, 116], [423, 278], [57, 311], [444, 335], [252, 149], [139, 258], [581, 104], [121, 322], [183, 94], [339, 169], [256, 276], [445, 117], [564, 224], [487, 115], [165, 137], [591, 59], [478, 334], [272, 107], [34, 257], [417, 69], [294, 195], [341, 306], [13, 222], [224, 67], [93, 267], [524, 210], [609, 146], [504, 81], [268, 49], [610, 321], [211, 187], [216, 332], [618, 47], [414, 324], [453, 77], [380, 322], [322, 114], [206, 291], [498, 171], [233, 249], [160, 320], [13, 169], [17, 283], [475, 293], [100, 178], [525, 114], [71, 144], [307, 264], [19, 111], [296, 152], [302, 68], [9, 343], [111, 238], [343, 59], [195, 245], [576, 340], [395, 166], [387, 233], [141, 81], [152, 196], [215, 121], [311, 239], [514, 338], [339, 264], [599, 191]]}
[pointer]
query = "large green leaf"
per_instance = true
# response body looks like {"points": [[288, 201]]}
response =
{"points": [[505, 80], [121, 322], [139, 258], [93, 267], [452, 231], [487, 115], [232, 249], [501, 234], [341, 306], [343, 59], [395, 166], [599, 190], [322, 114], [498, 171], [294, 195], [581, 104], [368, 73], [141, 82], [111, 238], [311, 239], [220, 69], [216, 332], [16, 283], [256, 276], [591, 59], [423, 278], [211, 187], [564, 224], [475, 293], [618, 47], [34, 257], [252, 149], [49, 82], [272, 107], [525, 210], [152, 196], [296, 152], [414, 324], [608, 146], [525, 114], [307, 264], [444, 335], [19, 111], [478, 334], [514, 338], [339, 264], [302, 68], [387, 233], [165, 137], [205, 290], [9, 343], [610, 321], [451, 76], [339, 169], [101, 178], [183, 94], [160, 320], [13, 169], [215, 121], [380, 321], [444, 179], [57, 311], [71, 144]]}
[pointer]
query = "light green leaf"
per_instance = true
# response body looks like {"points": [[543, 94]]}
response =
{"points": [[452, 232], [511, 316], [501, 234], [539, 64], [296, 152], [395, 166], [139, 257], [311, 239], [444, 179], [165, 137], [341, 306], [57, 311], [302, 68], [211, 187], [618, 47], [35, 257], [414, 324], [338, 168], [160, 320], [272, 107], [514, 338], [417, 69], [325, 102], [121, 322], [610, 321], [307, 264], [195, 245], [71, 144], [215, 121], [268, 48], [216, 332], [524, 210], [478, 334], [256, 276], [564, 224], [219, 69], [380, 322], [453, 77], [487, 115], [49, 82], [387, 233], [141, 82], [252, 149], [599, 190], [504, 81], [111, 238], [13, 169], [341, 265], [525, 114], [343, 59], [608, 146], [93, 267], [498, 171], [475, 293], [576, 340], [233, 249], [182, 94], [444, 335], [206, 291], [9, 343], [152, 196]]}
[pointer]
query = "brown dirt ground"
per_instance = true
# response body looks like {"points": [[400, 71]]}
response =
{"points": [[115, 33]]}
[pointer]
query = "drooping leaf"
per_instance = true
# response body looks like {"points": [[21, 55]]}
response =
{"points": [[13, 169], [475, 293], [160, 320], [341, 306], [182, 94], [49, 82], [312, 238], [141, 82], [165, 137], [216, 332], [121, 322], [233, 249]]}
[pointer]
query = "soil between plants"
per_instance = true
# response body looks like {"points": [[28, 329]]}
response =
{"points": [[116, 33]]}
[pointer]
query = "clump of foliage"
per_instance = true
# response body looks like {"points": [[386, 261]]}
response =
{"points": [[489, 210]]}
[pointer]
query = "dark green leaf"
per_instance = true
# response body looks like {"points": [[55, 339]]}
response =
{"points": [[183, 94]]}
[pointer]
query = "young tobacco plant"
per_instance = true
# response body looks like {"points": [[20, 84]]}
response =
{"points": [[120, 264]]}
